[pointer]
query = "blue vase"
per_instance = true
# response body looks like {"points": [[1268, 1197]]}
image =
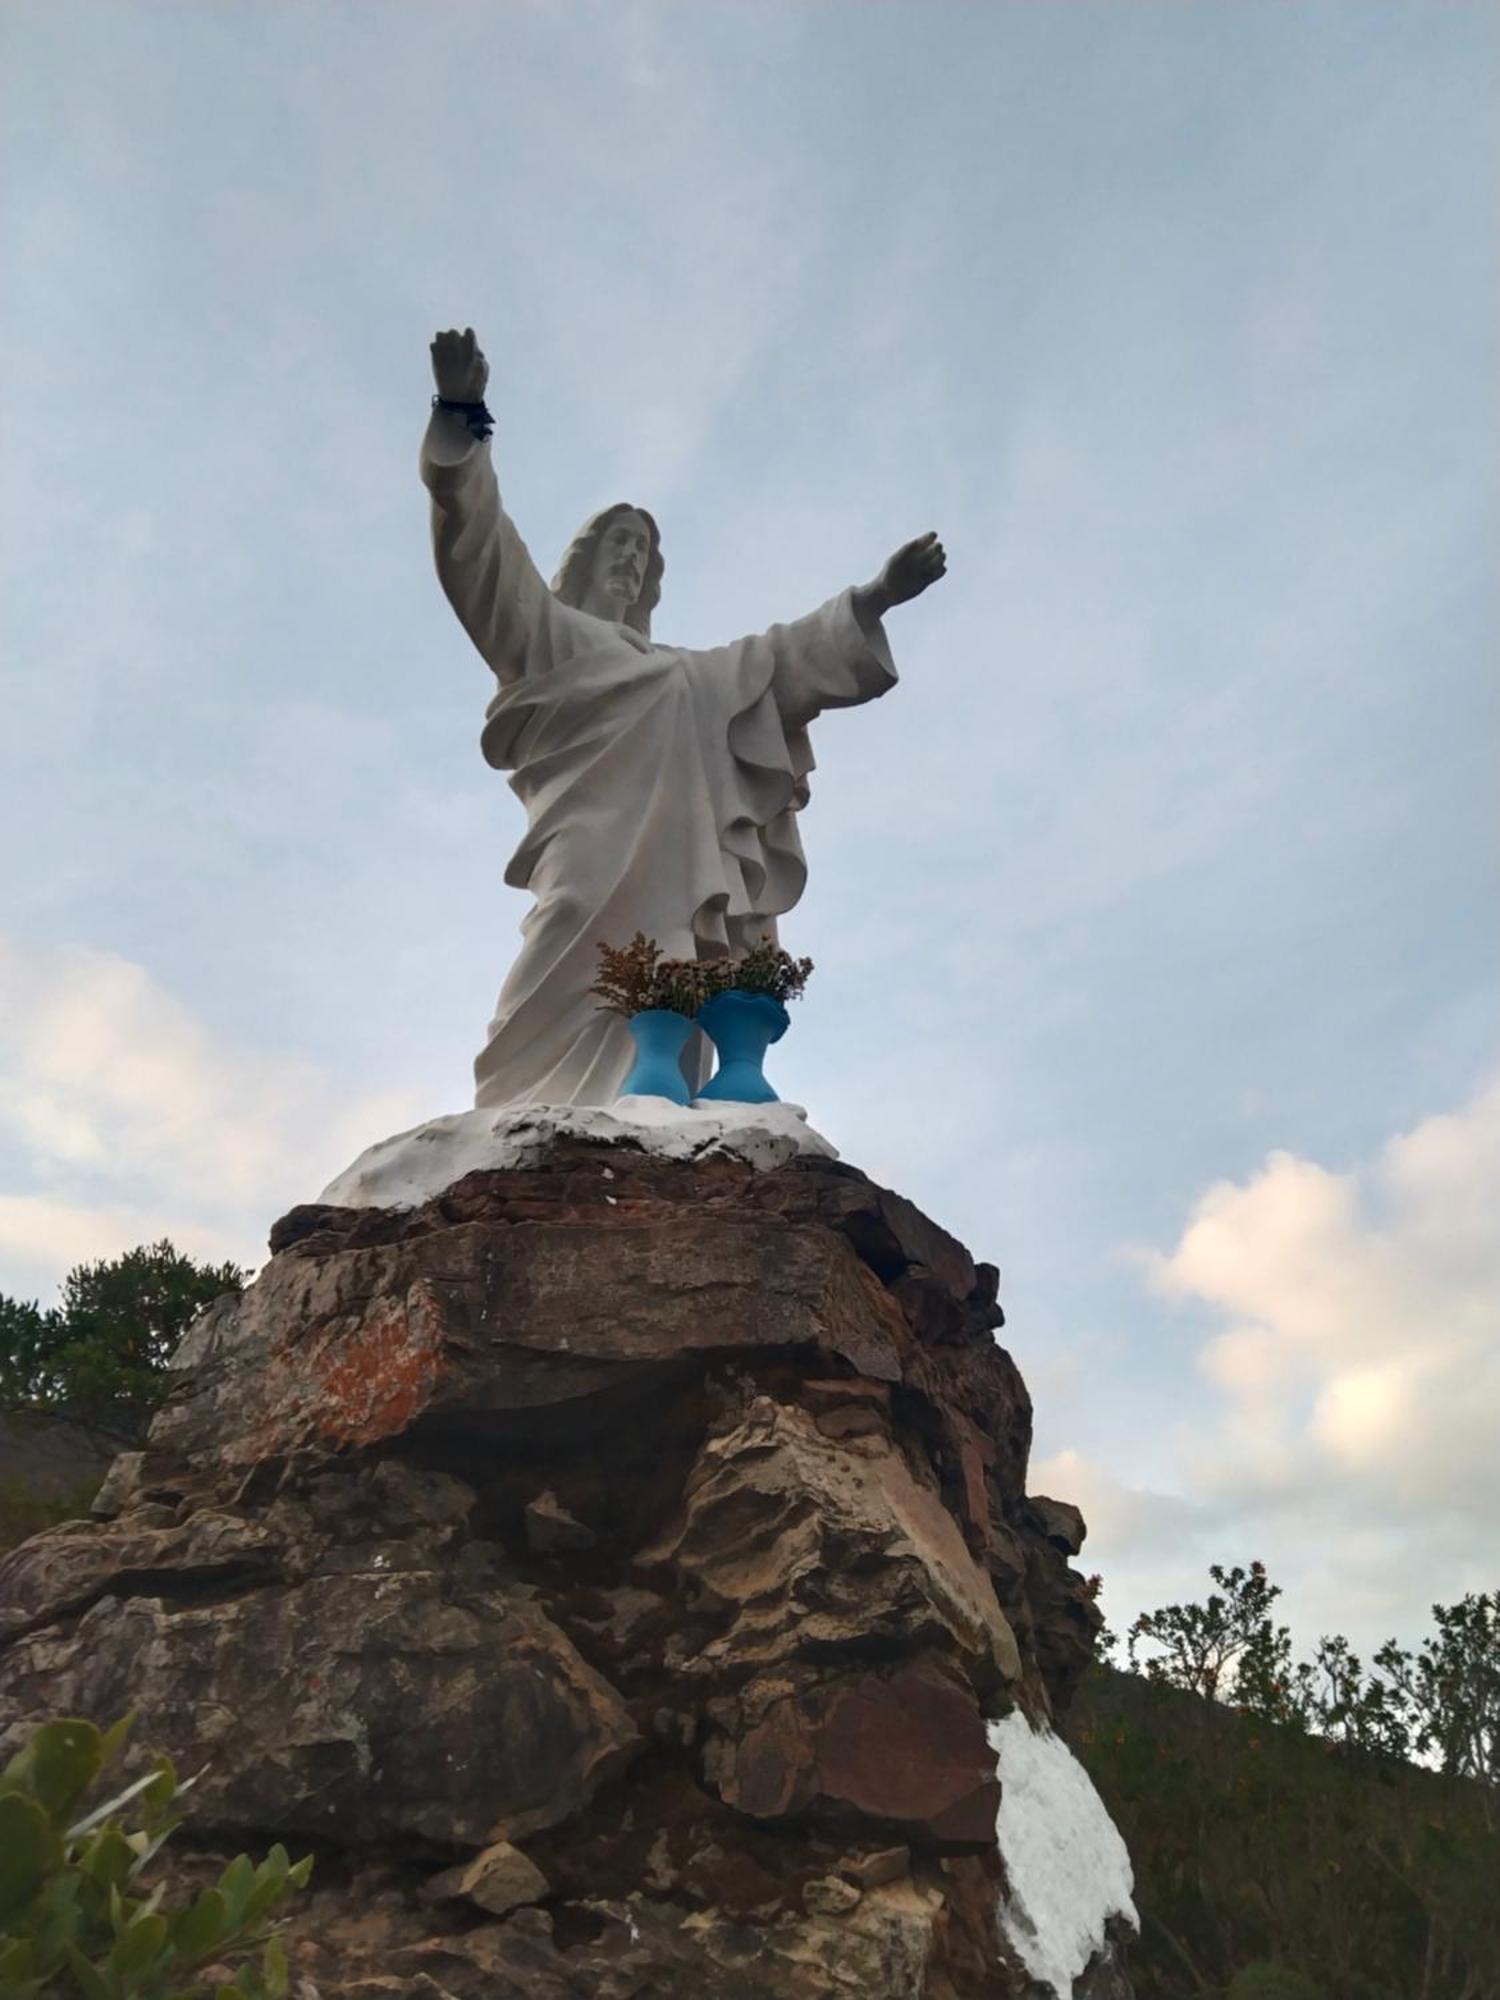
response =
{"points": [[660, 1037], [742, 1026]]}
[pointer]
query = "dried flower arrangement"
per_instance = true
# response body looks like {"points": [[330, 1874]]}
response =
{"points": [[635, 978], [766, 968]]}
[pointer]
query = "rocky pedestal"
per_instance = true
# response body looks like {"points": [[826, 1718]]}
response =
{"points": [[619, 1570]]}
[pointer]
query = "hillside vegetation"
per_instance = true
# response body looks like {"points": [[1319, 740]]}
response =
{"points": [[1286, 1845]]}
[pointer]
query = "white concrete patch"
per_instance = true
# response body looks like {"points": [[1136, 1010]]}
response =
{"points": [[412, 1167], [1066, 1863]]}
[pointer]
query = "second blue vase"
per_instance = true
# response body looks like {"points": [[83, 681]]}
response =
{"points": [[742, 1026], [660, 1037]]}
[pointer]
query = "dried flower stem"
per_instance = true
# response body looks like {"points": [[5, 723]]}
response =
{"points": [[634, 978]]}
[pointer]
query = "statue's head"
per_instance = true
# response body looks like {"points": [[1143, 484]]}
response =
{"points": [[613, 567]]}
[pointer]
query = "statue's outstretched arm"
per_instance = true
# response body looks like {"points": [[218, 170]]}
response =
{"points": [[837, 657], [915, 567], [482, 563]]}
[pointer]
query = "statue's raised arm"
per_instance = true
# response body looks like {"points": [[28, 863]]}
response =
{"points": [[459, 368], [482, 563]]}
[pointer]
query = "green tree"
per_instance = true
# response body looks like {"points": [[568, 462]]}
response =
{"points": [[29, 1340], [1207, 1648], [1362, 1711], [101, 1352], [1453, 1687]]}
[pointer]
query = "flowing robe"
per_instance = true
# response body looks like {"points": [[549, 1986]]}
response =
{"points": [[661, 784]]}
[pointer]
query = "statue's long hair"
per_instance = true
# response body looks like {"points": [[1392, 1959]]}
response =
{"points": [[570, 585]]}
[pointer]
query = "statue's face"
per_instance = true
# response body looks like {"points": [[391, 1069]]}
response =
{"points": [[620, 557]]}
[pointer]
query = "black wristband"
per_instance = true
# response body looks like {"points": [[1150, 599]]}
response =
{"points": [[476, 415]]}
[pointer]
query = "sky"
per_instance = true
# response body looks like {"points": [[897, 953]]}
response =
{"points": [[1153, 911]]}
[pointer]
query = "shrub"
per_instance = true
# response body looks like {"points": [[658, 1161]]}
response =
{"points": [[73, 1920], [1265, 1981], [1204, 1648], [1452, 1687]]}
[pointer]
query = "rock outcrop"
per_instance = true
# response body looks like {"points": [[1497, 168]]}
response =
{"points": [[618, 1569]]}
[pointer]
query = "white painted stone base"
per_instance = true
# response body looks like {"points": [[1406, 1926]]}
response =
{"points": [[412, 1167]]}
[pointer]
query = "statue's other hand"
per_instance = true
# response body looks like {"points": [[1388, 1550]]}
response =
{"points": [[912, 569], [459, 367]]}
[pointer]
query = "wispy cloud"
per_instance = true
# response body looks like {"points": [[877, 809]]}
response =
{"points": [[1362, 1349], [123, 1117]]}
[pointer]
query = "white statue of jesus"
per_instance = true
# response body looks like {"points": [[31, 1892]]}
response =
{"points": [[661, 784]]}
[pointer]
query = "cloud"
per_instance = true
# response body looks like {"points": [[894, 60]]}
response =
{"points": [[1352, 1364], [1124, 1521], [127, 1118], [1336, 1410], [1361, 1353], [56, 1235]]}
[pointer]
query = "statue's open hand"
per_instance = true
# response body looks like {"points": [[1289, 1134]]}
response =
{"points": [[459, 367], [912, 569]]}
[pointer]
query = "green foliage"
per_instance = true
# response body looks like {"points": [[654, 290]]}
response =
{"points": [[1452, 1687], [74, 1923], [1284, 1846], [1443, 1702], [1264, 1981], [1198, 1647], [100, 1354], [30, 1340], [1342, 1703], [635, 977]]}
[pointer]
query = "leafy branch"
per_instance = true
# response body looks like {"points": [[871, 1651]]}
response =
{"points": [[71, 1920]]}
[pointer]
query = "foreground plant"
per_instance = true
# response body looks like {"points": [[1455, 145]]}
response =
{"points": [[72, 1925]]}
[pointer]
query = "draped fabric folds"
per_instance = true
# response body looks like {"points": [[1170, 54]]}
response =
{"points": [[661, 784]]}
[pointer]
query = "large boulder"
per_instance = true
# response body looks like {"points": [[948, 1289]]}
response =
{"points": [[621, 1569]]}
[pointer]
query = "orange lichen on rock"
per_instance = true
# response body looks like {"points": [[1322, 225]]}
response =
{"points": [[380, 1375]]}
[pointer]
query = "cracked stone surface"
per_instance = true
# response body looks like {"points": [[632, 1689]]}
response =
{"points": [[611, 1568]]}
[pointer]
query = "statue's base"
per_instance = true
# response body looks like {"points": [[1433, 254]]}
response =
{"points": [[413, 1167], [619, 1570]]}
